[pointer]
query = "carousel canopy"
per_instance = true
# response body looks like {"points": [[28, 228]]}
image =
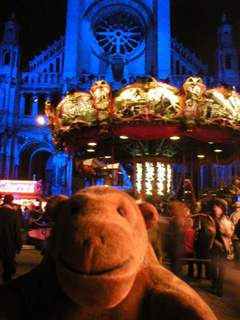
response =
{"points": [[190, 125]]}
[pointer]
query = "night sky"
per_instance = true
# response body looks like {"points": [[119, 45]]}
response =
{"points": [[193, 22]]}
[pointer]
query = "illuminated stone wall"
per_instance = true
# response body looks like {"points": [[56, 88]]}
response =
{"points": [[75, 61], [130, 50]]}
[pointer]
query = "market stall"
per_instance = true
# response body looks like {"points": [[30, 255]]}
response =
{"points": [[25, 192]]}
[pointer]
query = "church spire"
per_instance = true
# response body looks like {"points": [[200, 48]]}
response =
{"points": [[224, 18], [11, 31], [225, 32], [9, 49], [226, 55]]}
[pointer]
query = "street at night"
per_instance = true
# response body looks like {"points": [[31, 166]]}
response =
{"points": [[118, 118], [225, 308]]}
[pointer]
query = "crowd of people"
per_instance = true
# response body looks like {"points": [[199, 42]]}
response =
{"points": [[14, 222], [207, 236]]}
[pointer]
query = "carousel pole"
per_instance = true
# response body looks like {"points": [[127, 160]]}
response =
{"points": [[112, 160], [69, 182], [165, 181], [192, 174], [192, 177], [182, 177], [199, 179], [213, 173], [179, 184], [134, 168], [235, 172], [184, 172], [144, 180]]}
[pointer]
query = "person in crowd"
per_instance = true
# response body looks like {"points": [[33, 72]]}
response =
{"points": [[235, 190], [220, 229], [189, 237], [187, 212], [17, 208], [202, 251], [202, 240], [235, 219], [50, 208], [156, 236], [26, 214], [10, 237], [175, 245], [171, 194]]}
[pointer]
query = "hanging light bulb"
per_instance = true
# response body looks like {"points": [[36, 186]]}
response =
{"points": [[175, 138]]}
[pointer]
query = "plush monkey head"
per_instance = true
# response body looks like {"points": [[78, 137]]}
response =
{"points": [[98, 242]]}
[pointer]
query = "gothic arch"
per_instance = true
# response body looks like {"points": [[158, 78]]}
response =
{"points": [[7, 58], [139, 7], [32, 160], [9, 34]]}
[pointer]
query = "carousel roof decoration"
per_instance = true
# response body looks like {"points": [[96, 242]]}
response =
{"points": [[149, 113]]}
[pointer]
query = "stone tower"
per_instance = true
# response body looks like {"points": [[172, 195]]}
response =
{"points": [[9, 64], [227, 71]]}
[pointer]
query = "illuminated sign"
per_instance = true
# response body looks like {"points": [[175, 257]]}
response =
{"points": [[15, 186]]}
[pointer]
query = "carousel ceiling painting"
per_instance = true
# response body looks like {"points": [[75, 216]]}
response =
{"points": [[190, 125]]}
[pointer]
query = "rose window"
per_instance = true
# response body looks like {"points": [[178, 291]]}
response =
{"points": [[119, 34]]}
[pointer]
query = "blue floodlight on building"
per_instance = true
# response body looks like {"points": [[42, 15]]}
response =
{"points": [[115, 40]]}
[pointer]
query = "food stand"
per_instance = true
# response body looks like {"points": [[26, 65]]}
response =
{"points": [[25, 192]]}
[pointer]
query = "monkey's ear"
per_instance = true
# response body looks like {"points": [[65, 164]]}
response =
{"points": [[149, 213], [53, 205]]}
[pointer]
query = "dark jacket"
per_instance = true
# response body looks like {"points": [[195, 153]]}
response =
{"points": [[10, 233]]}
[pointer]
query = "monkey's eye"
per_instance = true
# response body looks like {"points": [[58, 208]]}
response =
{"points": [[121, 212]]}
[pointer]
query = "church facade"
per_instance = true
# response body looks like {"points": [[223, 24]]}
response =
{"points": [[115, 40]]}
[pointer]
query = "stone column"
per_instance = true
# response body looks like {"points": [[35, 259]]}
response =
{"points": [[163, 40], [35, 105], [22, 104]]}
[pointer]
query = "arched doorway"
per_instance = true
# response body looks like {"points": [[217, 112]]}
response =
{"points": [[32, 161], [37, 166]]}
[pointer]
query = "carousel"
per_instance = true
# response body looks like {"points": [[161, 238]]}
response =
{"points": [[132, 137]]}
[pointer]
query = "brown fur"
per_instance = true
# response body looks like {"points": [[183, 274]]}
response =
{"points": [[99, 265]]}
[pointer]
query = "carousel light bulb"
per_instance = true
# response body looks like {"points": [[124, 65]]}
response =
{"points": [[217, 150], [175, 138], [201, 156], [123, 137], [92, 144], [90, 150]]}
